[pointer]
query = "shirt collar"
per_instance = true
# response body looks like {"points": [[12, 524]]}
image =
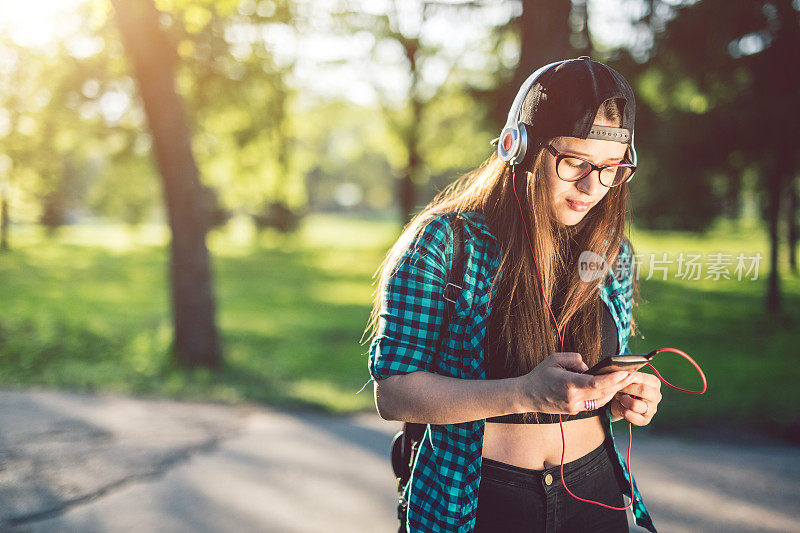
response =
{"points": [[477, 220]]}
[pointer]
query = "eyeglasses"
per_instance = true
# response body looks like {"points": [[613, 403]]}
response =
{"points": [[573, 168]]}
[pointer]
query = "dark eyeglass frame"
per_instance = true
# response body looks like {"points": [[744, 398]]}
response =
{"points": [[592, 167]]}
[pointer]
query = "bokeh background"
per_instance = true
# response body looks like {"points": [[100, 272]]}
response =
{"points": [[196, 194]]}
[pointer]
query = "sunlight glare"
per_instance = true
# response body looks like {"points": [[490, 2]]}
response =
{"points": [[37, 23]]}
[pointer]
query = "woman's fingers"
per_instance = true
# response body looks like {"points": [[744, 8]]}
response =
{"points": [[617, 387], [636, 411], [570, 361], [637, 419], [644, 387], [636, 394], [610, 391], [641, 407], [594, 386], [588, 389], [605, 399]]}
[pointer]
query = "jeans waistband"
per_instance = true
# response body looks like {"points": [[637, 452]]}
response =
{"points": [[531, 477]]}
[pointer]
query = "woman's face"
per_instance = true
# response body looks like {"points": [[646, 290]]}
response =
{"points": [[572, 200]]}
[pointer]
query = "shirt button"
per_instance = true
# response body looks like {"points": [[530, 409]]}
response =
{"points": [[548, 479]]}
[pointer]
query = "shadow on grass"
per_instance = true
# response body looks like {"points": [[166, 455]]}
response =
{"points": [[83, 318], [89, 318], [745, 354]]}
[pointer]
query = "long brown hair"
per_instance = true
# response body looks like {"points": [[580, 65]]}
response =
{"points": [[526, 332]]}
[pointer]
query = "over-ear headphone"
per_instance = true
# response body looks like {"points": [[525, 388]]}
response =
{"points": [[513, 140], [512, 145]]}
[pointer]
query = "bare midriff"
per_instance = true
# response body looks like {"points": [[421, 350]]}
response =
{"points": [[538, 446]]}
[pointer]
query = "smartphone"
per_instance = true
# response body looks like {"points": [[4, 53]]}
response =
{"points": [[613, 363]]}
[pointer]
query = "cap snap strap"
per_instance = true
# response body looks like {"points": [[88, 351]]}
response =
{"points": [[608, 133]]}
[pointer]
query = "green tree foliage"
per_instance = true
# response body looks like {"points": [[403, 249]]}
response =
{"points": [[435, 68], [238, 97], [74, 100], [720, 101], [71, 124]]}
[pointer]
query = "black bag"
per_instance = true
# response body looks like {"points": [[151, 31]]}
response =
{"points": [[406, 442]]}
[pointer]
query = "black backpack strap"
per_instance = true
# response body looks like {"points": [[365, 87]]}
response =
{"points": [[455, 277], [406, 442]]}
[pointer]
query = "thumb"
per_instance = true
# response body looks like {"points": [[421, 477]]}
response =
{"points": [[572, 361]]}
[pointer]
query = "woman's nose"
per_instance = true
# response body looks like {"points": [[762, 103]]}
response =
{"points": [[590, 183]]}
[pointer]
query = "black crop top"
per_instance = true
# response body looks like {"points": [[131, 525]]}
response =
{"points": [[608, 346]]}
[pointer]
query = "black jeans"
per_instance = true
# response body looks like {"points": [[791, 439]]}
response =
{"points": [[514, 499]]}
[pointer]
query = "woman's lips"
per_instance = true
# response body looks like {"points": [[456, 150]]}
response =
{"points": [[578, 206]]}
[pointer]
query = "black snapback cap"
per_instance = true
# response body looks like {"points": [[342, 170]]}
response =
{"points": [[565, 99]]}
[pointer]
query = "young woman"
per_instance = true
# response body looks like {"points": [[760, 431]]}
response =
{"points": [[504, 379]]}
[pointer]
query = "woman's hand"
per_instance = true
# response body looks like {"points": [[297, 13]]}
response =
{"points": [[638, 411], [558, 386]]}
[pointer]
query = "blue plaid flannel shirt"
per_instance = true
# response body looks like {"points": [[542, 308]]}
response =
{"points": [[442, 493]]}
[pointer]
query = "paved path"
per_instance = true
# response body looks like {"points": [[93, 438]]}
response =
{"points": [[106, 463]]}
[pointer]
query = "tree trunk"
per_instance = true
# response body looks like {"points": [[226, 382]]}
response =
{"points": [[773, 297], [791, 215], [4, 220], [731, 200], [408, 181], [544, 37], [581, 40], [153, 56]]}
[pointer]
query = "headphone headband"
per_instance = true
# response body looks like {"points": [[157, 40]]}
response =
{"points": [[512, 144], [513, 141], [516, 107]]}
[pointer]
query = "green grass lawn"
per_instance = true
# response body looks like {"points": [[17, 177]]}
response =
{"points": [[749, 358], [89, 311]]}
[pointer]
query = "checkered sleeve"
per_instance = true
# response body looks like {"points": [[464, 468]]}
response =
{"points": [[412, 305]]}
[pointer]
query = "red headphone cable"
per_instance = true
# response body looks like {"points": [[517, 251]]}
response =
{"points": [[561, 339]]}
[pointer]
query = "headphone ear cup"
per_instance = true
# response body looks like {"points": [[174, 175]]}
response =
{"points": [[522, 151], [532, 147], [630, 154], [529, 147], [508, 144]]}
